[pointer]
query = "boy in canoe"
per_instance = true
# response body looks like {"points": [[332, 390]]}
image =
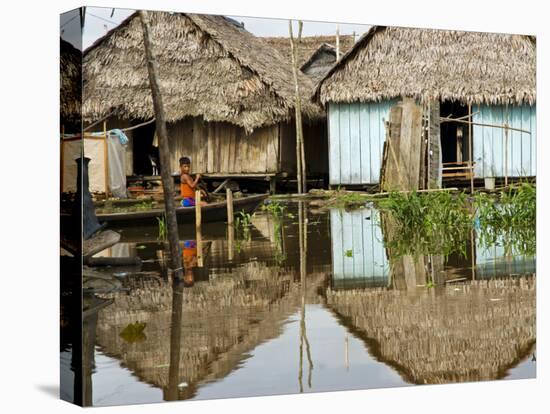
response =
{"points": [[188, 185]]}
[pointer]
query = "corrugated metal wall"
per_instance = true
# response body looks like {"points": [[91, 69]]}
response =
{"points": [[360, 232], [356, 141], [489, 142]]}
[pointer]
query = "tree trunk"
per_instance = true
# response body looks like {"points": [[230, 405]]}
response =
{"points": [[164, 151]]}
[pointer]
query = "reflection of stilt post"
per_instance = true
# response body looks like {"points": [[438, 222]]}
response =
{"points": [[171, 393], [198, 220], [472, 253], [230, 241], [346, 352], [302, 222]]}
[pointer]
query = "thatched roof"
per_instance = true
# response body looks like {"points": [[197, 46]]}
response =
{"points": [[70, 93], [476, 331], [309, 46], [471, 67], [208, 67]]}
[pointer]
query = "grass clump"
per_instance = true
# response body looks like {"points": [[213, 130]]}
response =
{"points": [[428, 223], [508, 219]]}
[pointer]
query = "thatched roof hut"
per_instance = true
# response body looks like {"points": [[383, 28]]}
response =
{"points": [[209, 67], [476, 331], [471, 67], [310, 46], [70, 93], [488, 76]]}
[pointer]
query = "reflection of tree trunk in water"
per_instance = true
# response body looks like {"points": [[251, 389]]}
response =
{"points": [[171, 393], [88, 358], [302, 219]]}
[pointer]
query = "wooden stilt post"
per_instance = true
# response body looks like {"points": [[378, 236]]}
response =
{"points": [[164, 150], [229, 197], [198, 224], [106, 158], [300, 157], [506, 154], [470, 151]]}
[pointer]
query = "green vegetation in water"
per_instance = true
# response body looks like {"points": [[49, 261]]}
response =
{"points": [[427, 223], [508, 219], [274, 208], [441, 223], [276, 211], [162, 229], [350, 200], [109, 207], [242, 224], [134, 332]]}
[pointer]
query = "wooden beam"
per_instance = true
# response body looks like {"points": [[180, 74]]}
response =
{"points": [[222, 185]]}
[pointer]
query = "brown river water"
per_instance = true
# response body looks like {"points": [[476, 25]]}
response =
{"points": [[266, 314]]}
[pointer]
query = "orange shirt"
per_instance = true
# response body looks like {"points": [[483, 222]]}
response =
{"points": [[186, 190]]}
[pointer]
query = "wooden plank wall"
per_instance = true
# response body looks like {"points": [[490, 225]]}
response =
{"points": [[356, 139], [489, 142], [223, 148], [406, 152]]}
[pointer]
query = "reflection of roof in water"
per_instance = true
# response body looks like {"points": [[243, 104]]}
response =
{"points": [[469, 332], [222, 321]]}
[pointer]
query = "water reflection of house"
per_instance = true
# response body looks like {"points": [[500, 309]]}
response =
{"points": [[229, 100], [360, 258], [496, 261], [358, 254], [488, 76], [219, 324], [471, 332]]}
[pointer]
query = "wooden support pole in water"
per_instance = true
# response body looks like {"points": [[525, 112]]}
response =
{"points": [[506, 154], [198, 224], [164, 150], [470, 152], [300, 157], [105, 158], [229, 200]]}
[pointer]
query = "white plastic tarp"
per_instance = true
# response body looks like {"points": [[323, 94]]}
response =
{"points": [[117, 167], [94, 149]]}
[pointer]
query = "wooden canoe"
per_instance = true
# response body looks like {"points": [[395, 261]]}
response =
{"points": [[210, 213]]}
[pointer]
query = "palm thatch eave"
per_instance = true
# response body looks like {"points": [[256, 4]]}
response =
{"points": [[426, 64], [209, 68]]}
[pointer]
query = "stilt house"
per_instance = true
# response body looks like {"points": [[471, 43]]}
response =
{"points": [[229, 97], [485, 82]]}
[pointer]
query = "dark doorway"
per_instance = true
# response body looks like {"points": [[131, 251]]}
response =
{"points": [[454, 135], [143, 148]]}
